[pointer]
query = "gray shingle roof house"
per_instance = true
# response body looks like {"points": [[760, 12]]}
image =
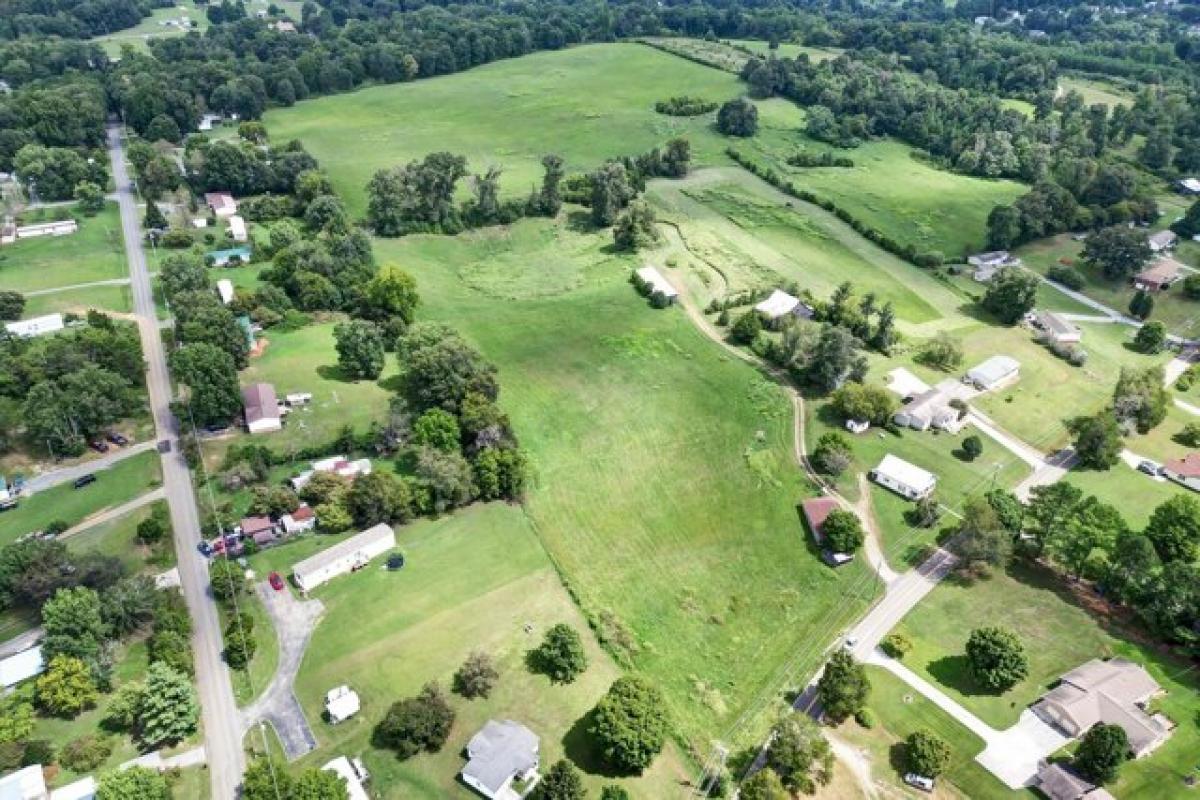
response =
{"points": [[1059, 783], [499, 754], [262, 408], [1114, 692]]}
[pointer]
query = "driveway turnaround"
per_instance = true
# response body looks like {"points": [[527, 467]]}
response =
{"points": [[294, 621]]}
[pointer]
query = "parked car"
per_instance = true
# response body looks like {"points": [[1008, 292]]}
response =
{"points": [[98, 445], [276, 581], [5, 505], [1149, 467], [919, 782], [164, 446], [205, 549], [117, 439], [84, 480]]}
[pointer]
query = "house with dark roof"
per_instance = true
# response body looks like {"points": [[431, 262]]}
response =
{"points": [[502, 760], [1184, 471], [1158, 276], [1113, 692], [1059, 783], [261, 408], [221, 203], [260, 529], [816, 510]]}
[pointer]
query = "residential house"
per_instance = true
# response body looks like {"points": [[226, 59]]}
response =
{"points": [[301, 520], [993, 373], [353, 773], [1188, 186], [1059, 783], [225, 290], [987, 265], [344, 557], [341, 703], [500, 754], [261, 408], [36, 326], [61, 227], [781, 305], [338, 465], [1163, 240], [221, 203], [260, 529], [1184, 471], [1158, 276], [1115, 692], [237, 229], [930, 409], [1057, 328], [816, 511], [21, 667], [652, 284], [903, 478]]}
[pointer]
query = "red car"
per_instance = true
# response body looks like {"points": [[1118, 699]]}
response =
{"points": [[276, 581]]}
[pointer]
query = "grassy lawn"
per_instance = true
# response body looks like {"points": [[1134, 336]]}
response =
{"points": [[900, 712], [1096, 91], [249, 683], [655, 459], [305, 361], [1134, 493], [118, 538], [585, 103], [114, 486], [151, 27], [474, 580], [1058, 635], [93, 253], [117, 299], [789, 49]]}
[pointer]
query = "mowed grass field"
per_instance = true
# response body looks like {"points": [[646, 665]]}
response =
{"points": [[1058, 635], [476, 580], [663, 483], [151, 27], [1096, 91], [586, 104], [93, 253]]}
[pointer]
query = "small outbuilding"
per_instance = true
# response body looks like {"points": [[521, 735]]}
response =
{"points": [[501, 754], [237, 229], [1159, 276], [780, 305], [987, 265], [341, 703], [261, 408], [338, 465], [297, 399], [35, 326], [650, 282], [1057, 328], [857, 425], [993, 373], [344, 557], [905, 479], [1188, 186], [225, 290]]}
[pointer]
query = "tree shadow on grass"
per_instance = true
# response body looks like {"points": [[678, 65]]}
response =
{"points": [[392, 383], [332, 372], [580, 222], [898, 757], [954, 672], [580, 748]]}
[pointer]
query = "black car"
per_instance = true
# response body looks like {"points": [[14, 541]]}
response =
{"points": [[98, 445], [117, 439], [84, 480]]}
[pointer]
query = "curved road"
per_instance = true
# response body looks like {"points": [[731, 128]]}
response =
{"points": [[222, 731]]}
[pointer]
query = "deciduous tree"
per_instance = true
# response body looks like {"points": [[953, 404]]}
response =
{"points": [[996, 658], [1102, 751], [629, 724], [843, 687]]}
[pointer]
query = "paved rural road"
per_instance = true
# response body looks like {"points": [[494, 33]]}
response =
{"points": [[55, 477], [222, 731]]}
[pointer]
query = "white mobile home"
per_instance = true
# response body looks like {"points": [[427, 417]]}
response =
{"points": [[903, 478], [780, 304], [993, 373], [651, 283], [347, 556]]}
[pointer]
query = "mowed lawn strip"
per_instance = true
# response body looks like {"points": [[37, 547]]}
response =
{"points": [[93, 253], [115, 298], [1058, 635], [116, 485], [586, 103], [475, 580], [663, 482]]}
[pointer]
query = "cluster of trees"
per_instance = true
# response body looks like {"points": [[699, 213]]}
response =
{"points": [[228, 583], [1139, 404], [685, 106], [58, 392], [267, 779]]}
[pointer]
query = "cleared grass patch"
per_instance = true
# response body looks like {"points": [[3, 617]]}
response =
{"points": [[151, 27], [1096, 91], [93, 253], [117, 299], [118, 538], [118, 484], [586, 103]]}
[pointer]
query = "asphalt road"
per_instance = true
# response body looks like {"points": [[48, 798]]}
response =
{"points": [[222, 731], [55, 477]]}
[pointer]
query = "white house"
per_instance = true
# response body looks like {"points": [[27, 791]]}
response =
{"points": [[352, 771], [1163, 240], [905, 479], [652, 283], [237, 228], [301, 520], [780, 304], [262, 408], [24, 784], [501, 753], [21, 667], [345, 556], [993, 373], [225, 290], [35, 326], [929, 409], [221, 203], [341, 703]]}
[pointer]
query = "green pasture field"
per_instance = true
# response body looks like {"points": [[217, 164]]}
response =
{"points": [[1059, 634], [118, 538], [658, 463], [114, 486], [1134, 493], [117, 299], [1096, 91], [789, 49], [95, 252], [149, 27], [474, 580], [586, 104]]}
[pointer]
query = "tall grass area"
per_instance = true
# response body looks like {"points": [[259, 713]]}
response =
{"points": [[663, 483], [587, 104]]}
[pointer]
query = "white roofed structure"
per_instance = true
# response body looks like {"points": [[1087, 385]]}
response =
{"points": [[654, 283], [225, 290], [353, 773], [35, 326], [237, 228], [994, 372], [21, 667], [82, 789], [24, 784], [345, 556], [781, 304], [341, 703], [499, 754], [907, 480]]}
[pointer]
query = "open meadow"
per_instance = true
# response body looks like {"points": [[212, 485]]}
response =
{"points": [[156, 26], [586, 104], [93, 253]]}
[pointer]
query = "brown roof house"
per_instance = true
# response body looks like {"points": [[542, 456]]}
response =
{"points": [[260, 529], [221, 203], [1059, 783], [816, 511], [262, 408], [1159, 276], [1184, 471], [1114, 692]]}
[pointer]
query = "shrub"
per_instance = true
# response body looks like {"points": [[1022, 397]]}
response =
{"points": [[85, 753], [972, 447], [685, 106], [417, 723], [1067, 276], [926, 754], [746, 328], [865, 718], [560, 655], [477, 676], [896, 645]]}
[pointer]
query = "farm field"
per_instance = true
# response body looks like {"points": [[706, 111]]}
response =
{"points": [[114, 486], [151, 27], [93, 253], [586, 103], [654, 457], [476, 580], [1096, 91], [1058, 635]]}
